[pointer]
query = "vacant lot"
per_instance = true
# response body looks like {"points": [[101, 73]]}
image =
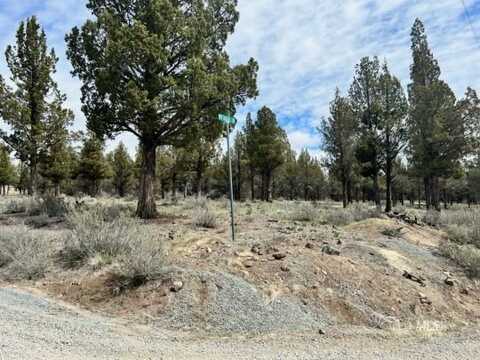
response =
{"points": [[295, 268]]}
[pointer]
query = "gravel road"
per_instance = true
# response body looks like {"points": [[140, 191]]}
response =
{"points": [[32, 327]]}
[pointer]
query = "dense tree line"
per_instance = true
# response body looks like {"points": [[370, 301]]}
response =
{"points": [[159, 70]]}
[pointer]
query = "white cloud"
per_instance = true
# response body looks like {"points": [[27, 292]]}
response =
{"points": [[305, 48]]}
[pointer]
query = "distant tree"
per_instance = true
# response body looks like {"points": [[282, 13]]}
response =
{"points": [[35, 99], [393, 134], [306, 168], [339, 134], [250, 152], [155, 69], [122, 170], [436, 129], [365, 99], [92, 166], [271, 147], [54, 158], [7, 170]]}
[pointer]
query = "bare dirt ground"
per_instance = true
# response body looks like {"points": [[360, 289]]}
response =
{"points": [[373, 289], [36, 328]]}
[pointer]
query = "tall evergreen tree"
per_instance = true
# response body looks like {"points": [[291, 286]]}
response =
{"points": [[27, 107], [339, 132], [393, 134], [271, 148], [154, 69], [436, 129], [92, 166], [122, 169], [7, 170], [365, 100]]}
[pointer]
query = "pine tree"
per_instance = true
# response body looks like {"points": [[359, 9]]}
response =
{"points": [[339, 133], [7, 170], [122, 169], [250, 152], [271, 147], [393, 134], [27, 108], [436, 129], [365, 100], [92, 166], [159, 70]]}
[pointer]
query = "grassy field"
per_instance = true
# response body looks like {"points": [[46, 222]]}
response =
{"points": [[295, 266]]}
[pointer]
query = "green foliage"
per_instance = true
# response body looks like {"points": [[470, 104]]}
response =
{"points": [[7, 170], [157, 69], [34, 109], [122, 166], [92, 166]]}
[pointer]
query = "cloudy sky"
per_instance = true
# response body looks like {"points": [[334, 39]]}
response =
{"points": [[305, 48]]}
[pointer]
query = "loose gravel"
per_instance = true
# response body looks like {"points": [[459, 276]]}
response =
{"points": [[32, 327]]}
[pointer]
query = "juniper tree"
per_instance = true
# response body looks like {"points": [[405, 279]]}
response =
{"points": [[26, 109], [154, 68], [339, 132]]}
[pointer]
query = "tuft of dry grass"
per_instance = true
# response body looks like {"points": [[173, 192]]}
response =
{"points": [[305, 212], [353, 213], [24, 254], [467, 256], [204, 218]]}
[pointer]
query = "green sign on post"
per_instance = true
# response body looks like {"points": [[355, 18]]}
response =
{"points": [[227, 119], [230, 121]]}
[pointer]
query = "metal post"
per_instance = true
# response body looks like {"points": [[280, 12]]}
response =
{"points": [[231, 183]]}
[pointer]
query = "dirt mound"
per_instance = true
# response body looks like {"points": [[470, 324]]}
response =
{"points": [[220, 302]]}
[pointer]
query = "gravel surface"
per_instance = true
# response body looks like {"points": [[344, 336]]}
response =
{"points": [[32, 327]]}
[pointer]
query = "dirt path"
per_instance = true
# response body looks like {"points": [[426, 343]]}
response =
{"points": [[32, 327]]}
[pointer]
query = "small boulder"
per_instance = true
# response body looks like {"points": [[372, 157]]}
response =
{"points": [[279, 256], [310, 246], [321, 332], [449, 281], [176, 286], [284, 268], [327, 249]]}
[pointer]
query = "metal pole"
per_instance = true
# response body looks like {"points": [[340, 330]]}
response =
{"points": [[232, 216]]}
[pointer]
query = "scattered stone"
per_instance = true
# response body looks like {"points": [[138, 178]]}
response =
{"points": [[177, 285], [327, 249], [256, 250], [424, 300], [321, 332], [449, 281], [339, 242], [248, 264], [279, 256], [310, 246], [464, 291], [415, 278], [284, 268]]}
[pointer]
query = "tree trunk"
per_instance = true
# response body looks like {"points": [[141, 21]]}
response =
{"points": [[146, 208], [388, 176], [344, 193], [267, 187], [252, 184], [376, 190], [428, 192]]}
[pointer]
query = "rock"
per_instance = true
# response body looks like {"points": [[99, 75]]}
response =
{"points": [[417, 279], [176, 286], [279, 256], [284, 268], [256, 249], [424, 300], [310, 246], [449, 281], [464, 291], [248, 264], [339, 242], [327, 249], [321, 332]]}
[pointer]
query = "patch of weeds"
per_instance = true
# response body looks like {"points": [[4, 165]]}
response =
{"points": [[467, 256], [24, 254], [305, 212], [204, 218]]}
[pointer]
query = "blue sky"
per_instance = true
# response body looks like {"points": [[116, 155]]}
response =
{"points": [[305, 48]]}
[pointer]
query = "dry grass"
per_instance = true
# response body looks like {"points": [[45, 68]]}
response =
{"points": [[204, 218], [304, 212], [24, 254]]}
